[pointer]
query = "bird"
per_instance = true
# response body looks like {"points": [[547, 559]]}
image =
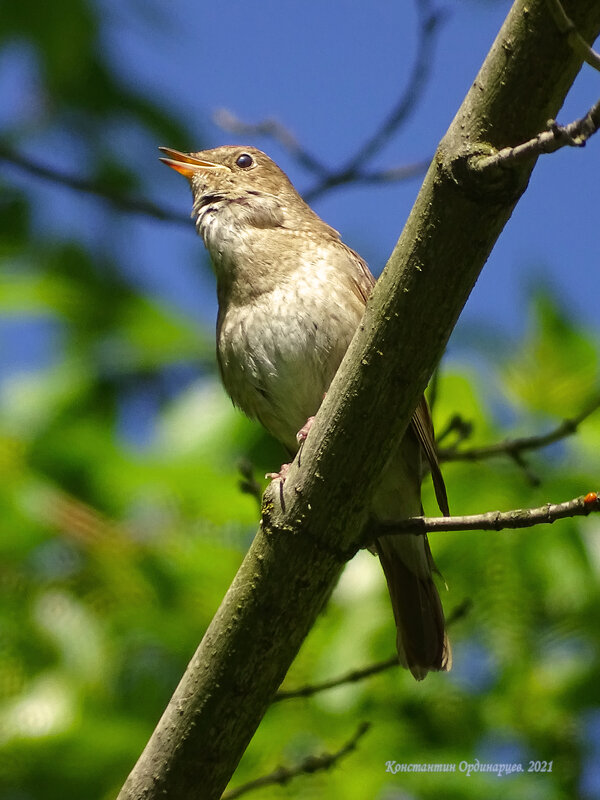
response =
{"points": [[291, 295]]}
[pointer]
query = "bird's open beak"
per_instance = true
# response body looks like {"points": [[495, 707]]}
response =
{"points": [[186, 164]]}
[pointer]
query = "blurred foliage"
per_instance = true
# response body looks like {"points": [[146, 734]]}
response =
{"points": [[116, 552]]}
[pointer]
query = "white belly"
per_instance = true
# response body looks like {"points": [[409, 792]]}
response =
{"points": [[279, 354]]}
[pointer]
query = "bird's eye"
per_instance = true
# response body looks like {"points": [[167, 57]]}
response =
{"points": [[244, 161]]}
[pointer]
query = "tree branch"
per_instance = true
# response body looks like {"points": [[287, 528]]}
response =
{"points": [[516, 447], [402, 172], [272, 128], [297, 554], [575, 134], [328, 179], [366, 672], [494, 520], [133, 205], [348, 677], [283, 775], [428, 26], [576, 40], [354, 171], [248, 483]]}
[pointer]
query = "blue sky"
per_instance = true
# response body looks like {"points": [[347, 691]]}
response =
{"points": [[329, 72]]}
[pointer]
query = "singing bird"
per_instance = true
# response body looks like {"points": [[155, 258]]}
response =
{"points": [[291, 295]]}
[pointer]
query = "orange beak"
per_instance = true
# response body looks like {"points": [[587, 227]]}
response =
{"points": [[186, 164]]}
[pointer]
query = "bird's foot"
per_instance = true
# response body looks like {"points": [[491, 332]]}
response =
{"points": [[303, 432], [283, 470], [278, 476], [300, 438]]}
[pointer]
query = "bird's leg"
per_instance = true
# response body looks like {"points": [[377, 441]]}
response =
{"points": [[274, 476], [300, 438]]}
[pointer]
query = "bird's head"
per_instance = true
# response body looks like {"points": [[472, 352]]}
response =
{"points": [[230, 171]]}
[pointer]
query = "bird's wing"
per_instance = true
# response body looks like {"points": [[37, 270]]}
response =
{"points": [[362, 278], [423, 428], [362, 285]]}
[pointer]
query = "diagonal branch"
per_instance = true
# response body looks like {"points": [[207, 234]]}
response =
{"points": [[283, 775], [298, 553], [328, 179], [494, 520]]}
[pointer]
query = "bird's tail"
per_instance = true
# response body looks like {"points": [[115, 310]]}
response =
{"points": [[421, 638]]}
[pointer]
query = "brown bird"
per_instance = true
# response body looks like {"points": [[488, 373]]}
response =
{"points": [[291, 295]]}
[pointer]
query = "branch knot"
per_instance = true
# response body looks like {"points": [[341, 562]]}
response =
{"points": [[494, 186]]}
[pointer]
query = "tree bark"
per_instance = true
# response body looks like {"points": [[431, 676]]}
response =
{"points": [[302, 545]]}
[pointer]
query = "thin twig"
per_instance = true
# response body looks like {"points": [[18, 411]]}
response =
{"points": [[404, 172], [366, 672], [515, 447], [137, 205], [133, 205], [348, 677], [494, 520], [456, 424], [429, 23], [354, 170], [248, 483], [283, 775], [575, 134], [576, 40], [522, 463], [273, 128], [327, 179]]}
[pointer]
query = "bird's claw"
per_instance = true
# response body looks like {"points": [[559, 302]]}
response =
{"points": [[274, 476], [279, 476], [303, 432], [283, 470]]}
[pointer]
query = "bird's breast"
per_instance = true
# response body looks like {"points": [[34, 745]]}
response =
{"points": [[279, 351]]}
